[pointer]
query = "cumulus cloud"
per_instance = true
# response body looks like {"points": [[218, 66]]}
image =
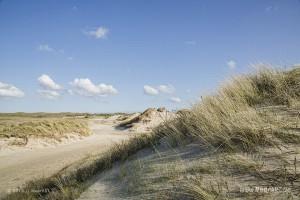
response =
{"points": [[49, 94], [150, 90], [7, 90], [231, 64], [85, 87], [45, 47], [167, 89], [175, 99], [156, 90], [46, 82], [99, 33], [51, 89]]}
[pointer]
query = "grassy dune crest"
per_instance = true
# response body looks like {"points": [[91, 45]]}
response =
{"points": [[237, 117]]}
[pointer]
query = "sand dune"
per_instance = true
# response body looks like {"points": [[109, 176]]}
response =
{"points": [[146, 121]]}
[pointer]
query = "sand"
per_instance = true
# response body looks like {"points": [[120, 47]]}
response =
{"points": [[146, 121], [17, 166]]}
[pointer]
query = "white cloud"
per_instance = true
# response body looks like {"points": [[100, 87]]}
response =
{"points": [[49, 94], [50, 88], [271, 8], [168, 89], [161, 89], [85, 87], [46, 82], [7, 90], [45, 47], [150, 90], [175, 99], [190, 42], [231, 64], [99, 33]]}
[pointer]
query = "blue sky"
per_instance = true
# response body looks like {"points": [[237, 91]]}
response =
{"points": [[110, 56]]}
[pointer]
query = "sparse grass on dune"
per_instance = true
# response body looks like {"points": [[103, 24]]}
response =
{"points": [[246, 130], [46, 128]]}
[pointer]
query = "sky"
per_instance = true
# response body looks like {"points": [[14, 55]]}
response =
{"points": [[125, 56]]}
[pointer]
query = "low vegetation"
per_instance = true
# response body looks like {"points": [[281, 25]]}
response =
{"points": [[22, 115], [240, 143], [54, 128]]}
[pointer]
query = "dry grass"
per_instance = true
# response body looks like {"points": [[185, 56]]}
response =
{"points": [[231, 120], [46, 128]]}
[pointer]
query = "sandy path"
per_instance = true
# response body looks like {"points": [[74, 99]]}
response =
{"points": [[21, 166]]}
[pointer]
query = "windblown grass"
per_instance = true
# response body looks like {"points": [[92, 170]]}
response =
{"points": [[46, 128], [231, 120]]}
